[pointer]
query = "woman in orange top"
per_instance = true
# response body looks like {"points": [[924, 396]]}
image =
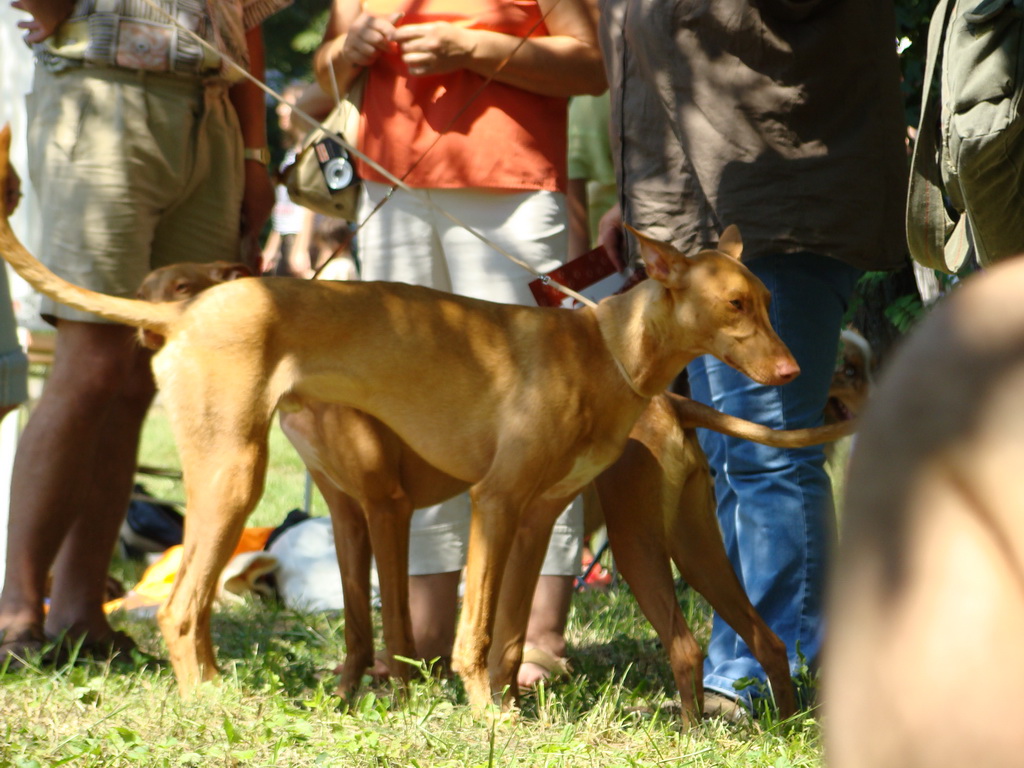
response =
{"points": [[466, 102]]}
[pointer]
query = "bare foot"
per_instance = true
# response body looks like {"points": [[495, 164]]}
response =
{"points": [[538, 665]]}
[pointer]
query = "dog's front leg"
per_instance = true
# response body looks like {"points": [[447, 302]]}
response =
{"points": [[352, 545], [695, 542], [492, 527], [516, 598], [389, 531], [634, 491]]}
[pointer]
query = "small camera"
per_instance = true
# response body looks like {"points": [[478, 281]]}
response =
{"points": [[335, 164]]}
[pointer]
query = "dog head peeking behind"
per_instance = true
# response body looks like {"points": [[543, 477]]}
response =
{"points": [[179, 282]]}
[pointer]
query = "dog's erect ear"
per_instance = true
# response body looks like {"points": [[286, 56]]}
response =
{"points": [[730, 243], [664, 263], [228, 271]]}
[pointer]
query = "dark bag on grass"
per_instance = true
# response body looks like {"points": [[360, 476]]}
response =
{"points": [[150, 525]]}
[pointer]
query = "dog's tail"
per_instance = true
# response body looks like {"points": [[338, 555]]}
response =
{"points": [[694, 414], [139, 314]]}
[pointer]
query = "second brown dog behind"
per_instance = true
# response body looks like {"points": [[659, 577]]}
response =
{"points": [[178, 282]]}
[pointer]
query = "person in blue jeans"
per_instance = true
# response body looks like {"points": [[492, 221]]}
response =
{"points": [[782, 117], [775, 505]]}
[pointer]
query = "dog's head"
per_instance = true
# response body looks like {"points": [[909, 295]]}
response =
{"points": [[852, 380], [724, 304], [180, 282]]}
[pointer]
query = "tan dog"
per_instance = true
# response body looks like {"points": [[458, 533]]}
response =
{"points": [[525, 404], [924, 665], [658, 496]]}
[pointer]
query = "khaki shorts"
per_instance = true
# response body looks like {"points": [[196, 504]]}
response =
{"points": [[133, 171]]}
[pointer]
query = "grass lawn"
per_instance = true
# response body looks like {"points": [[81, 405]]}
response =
{"points": [[274, 705]]}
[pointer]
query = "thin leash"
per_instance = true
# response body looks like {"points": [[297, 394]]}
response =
{"points": [[394, 180]]}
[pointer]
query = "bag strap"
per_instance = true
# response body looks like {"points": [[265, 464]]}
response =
{"points": [[354, 92], [356, 88], [928, 224]]}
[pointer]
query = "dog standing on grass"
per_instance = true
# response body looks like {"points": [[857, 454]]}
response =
{"points": [[660, 508]]}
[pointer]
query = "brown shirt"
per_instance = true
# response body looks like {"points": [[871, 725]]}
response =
{"points": [[783, 117]]}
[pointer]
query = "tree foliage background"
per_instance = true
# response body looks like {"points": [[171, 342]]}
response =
{"points": [[886, 304], [290, 37]]}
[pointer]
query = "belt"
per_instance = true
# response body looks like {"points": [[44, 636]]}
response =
{"points": [[92, 41]]}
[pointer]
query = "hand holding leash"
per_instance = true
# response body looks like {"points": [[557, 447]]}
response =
{"points": [[434, 48], [369, 37]]}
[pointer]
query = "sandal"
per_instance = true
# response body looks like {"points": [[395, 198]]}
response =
{"points": [[555, 667], [718, 705], [117, 647], [116, 644], [19, 649]]}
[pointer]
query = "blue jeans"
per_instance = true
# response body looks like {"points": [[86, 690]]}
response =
{"points": [[774, 505]]}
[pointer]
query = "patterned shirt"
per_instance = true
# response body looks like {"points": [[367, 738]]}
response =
{"points": [[132, 34]]}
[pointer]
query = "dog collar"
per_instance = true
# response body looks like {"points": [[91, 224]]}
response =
{"points": [[628, 378]]}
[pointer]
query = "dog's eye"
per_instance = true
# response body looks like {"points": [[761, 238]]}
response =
{"points": [[736, 304], [183, 287]]}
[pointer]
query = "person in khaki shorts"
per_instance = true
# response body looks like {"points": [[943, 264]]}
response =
{"points": [[143, 153]]}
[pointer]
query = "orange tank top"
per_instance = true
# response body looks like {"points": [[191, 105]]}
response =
{"points": [[500, 137]]}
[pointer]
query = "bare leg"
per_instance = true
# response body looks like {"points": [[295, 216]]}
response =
{"points": [[549, 614], [433, 605], [72, 480]]}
